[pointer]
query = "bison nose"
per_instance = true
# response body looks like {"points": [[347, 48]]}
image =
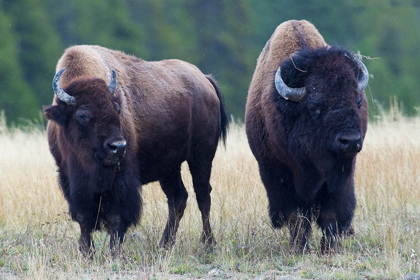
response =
{"points": [[349, 142], [117, 147]]}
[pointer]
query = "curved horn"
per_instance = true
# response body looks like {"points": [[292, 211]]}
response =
{"points": [[113, 83], [288, 93], [364, 79], [61, 94]]}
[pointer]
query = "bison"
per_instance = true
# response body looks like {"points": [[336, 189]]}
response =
{"points": [[306, 118], [118, 122]]}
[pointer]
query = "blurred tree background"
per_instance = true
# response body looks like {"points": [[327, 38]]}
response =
{"points": [[220, 37]]}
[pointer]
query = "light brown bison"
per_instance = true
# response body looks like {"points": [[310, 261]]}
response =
{"points": [[306, 118], [118, 122]]}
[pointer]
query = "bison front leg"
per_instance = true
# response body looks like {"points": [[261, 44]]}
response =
{"points": [[330, 232], [87, 225], [117, 229], [335, 219], [283, 205], [300, 230], [277, 182]]}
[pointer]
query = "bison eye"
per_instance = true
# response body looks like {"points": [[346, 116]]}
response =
{"points": [[315, 110], [83, 117]]}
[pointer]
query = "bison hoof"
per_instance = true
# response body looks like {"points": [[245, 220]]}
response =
{"points": [[349, 231], [209, 242], [166, 242], [117, 252], [330, 245], [299, 249], [86, 251]]}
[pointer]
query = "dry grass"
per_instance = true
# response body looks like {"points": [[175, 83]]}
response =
{"points": [[38, 241]]}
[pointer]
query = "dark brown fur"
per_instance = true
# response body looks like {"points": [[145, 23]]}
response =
{"points": [[293, 142], [169, 113]]}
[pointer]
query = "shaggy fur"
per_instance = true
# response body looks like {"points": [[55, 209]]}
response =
{"points": [[167, 111], [297, 144]]}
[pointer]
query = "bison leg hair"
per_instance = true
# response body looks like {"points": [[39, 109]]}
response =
{"points": [[117, 230], [300, 229], [284, 206], [335, 218], [278, 184], [201, 181], [87, 225], [177, 196]]}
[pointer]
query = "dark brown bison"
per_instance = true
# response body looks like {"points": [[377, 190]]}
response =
{"points": [[118, 122], [306, 118]]}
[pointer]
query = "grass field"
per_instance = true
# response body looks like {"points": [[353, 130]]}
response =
{"points": [[38, 240]]}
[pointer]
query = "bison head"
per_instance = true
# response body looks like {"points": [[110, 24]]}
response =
{"points": [[319, 93], [88, 113]]}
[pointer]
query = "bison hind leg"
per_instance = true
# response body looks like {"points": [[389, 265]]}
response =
{"points": [[177, 196], [200, 168]]}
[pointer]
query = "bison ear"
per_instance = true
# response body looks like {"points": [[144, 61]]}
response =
{"points": [[54, 113], [294, 72]]}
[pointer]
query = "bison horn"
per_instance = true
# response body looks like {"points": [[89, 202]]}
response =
{"points": [[61, 94], [364, 78], [288, 93], [113, 83]]}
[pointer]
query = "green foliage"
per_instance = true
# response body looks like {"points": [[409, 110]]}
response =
{"points": [[168, 29], [16, 98], [97, 22], [223, 38], [394, 38], [223, 31], [37, 46]]}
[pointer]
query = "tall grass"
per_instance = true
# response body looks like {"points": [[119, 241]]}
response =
{"points": [[38, 240]]}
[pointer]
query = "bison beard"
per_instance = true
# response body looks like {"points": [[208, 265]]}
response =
{"points": [[114, 203], [306, 119]]}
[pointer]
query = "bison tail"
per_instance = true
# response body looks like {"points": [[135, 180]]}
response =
{"points": [[223, 117]]}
